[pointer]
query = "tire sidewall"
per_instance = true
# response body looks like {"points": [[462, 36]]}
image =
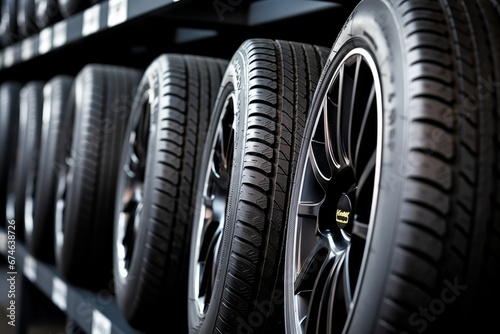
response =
{"points": [[125, 288], [55, 127], [9, 138], [235, 81]]}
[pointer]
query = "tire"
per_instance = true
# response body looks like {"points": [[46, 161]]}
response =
{"points": [[235, 279], [9, 122], [8, 21], [87, 184], [28, 145], [71, 7], [26, 18], [46, 13], [160, 159], [408, 166], [40, 197]]}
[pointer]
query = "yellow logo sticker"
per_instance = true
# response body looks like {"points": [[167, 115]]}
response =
{"points": [[342, 216]]}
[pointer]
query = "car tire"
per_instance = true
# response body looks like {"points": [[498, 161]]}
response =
{"points": [[394, 220], [40, 195], [9, 122], [8, 22], [160, 160], [26, 18], [87, 183], [235, 279], [71, 7], [46, 13], [28, 145]]}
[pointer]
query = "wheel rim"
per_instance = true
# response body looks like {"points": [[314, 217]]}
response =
{"points": [[64, 180], [213, 208], [337, 198], [129, 219], [29, 206]]}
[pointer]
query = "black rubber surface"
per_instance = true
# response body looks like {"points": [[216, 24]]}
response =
{"points": [[54, 139], [26, 18], [9, 121], [28, 145], [274, 82], [8, 21], [184, 88], [102, 99], [46, 13]]}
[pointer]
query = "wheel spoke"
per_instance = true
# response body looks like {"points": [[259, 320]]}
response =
{"points": [[360, 229], [218, 178], [311, 260], [209, 262], [340, 109], [308, 209], [210, 233], [330, 148], [351, 109], [224, 137], [367, 171], [319, 296], [336, 316], [221, 148], [320, 172], [366, 113], [324, 300], [348, 293]]}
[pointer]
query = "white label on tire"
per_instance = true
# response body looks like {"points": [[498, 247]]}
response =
{"points": [[45, 43], [9, 56], [117, 12], [59, 293], [60, 34], [91, 20], [28, 49], [100, 324], [3, 242], [29, 268]]}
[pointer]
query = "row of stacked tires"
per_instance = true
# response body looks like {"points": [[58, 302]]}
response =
{"points": [[22, 18], [293, 188]]}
